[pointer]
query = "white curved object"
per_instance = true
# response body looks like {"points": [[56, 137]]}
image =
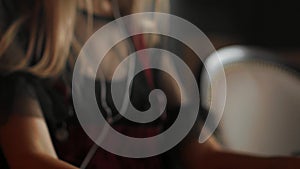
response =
{"points": [[262, 111]]}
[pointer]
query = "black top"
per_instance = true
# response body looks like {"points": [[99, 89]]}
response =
{"points": [[70, 141]]}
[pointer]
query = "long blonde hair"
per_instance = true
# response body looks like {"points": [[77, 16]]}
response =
{"points": [[48, 26]]}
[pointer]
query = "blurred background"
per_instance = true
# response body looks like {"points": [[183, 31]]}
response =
{"points": [[265, 23], [259, 45]]}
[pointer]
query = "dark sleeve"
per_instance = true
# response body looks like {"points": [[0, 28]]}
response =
{"points": [[14, 90]]}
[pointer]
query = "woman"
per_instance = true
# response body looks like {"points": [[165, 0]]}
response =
{"points": [[38, 129]]}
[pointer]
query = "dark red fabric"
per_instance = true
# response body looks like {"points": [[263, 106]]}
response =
{"points": [[76, 147], [139, 43]]}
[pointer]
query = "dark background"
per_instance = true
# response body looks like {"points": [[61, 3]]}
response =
{"points": [[271, 24]]}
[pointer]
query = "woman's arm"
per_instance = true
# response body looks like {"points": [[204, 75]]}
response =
{"points": [[211, 156], [26, 142]]}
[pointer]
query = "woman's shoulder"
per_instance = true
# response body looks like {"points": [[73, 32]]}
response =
{"points": [[18, 83], [15, 88], [49, 93]]}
